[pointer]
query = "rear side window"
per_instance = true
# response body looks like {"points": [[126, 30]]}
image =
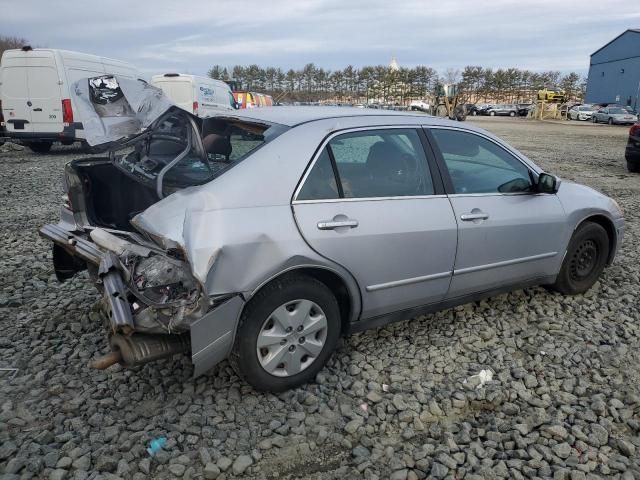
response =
{"points": [[477, 165], [321, 181], [370, 164]]}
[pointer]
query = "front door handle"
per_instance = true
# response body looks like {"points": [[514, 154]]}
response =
{"points": [[37, 109], [469, 217], [333, 224]]}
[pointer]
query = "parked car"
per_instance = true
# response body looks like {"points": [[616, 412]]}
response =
{"points": [[549, 95], [419, 105], [632, 152], [525, 108], [265, 235], [613, 115], [581, 112], [502, 109], [37, 104], [472, 109], [483, 107], [202, 96]]}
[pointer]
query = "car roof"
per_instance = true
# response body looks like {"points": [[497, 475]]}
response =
{"points": [[296, 115]]}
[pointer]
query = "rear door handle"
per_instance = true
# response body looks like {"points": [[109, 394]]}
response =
{"points": [[37, 109], [469, 217], [333, 224]]}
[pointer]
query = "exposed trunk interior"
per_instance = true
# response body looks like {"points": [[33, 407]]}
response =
{"points": [[111, 198]]}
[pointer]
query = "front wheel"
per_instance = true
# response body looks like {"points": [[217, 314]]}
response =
{"points": [[492, 114], [594, 119], [585, 259], [512, 114], [610, 122], [286, 333]]}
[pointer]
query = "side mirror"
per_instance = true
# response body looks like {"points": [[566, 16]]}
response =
{"points": [[547, 183], [236, 105]]}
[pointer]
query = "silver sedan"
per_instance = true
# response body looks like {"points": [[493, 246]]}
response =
{"points": [[264, 236], [614, 115]]}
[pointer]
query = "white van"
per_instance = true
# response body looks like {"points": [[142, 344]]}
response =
{"points": [[201, 96], [35, 100]]}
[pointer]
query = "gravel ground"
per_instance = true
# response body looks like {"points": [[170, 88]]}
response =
{"points": [[564, 401]]}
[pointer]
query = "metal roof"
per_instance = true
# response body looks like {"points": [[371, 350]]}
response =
{"points": [[634, 30]]}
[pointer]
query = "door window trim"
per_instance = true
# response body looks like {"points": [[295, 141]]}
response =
{"points": [[446, 177], [431, 167]]}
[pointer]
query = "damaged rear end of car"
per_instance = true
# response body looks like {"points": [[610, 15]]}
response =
{"points": [[152, 304]]}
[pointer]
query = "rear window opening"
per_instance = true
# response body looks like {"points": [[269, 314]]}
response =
{"points": [[182, 153]]}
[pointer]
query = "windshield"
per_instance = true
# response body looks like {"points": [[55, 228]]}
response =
{"points": [[178, 153]]}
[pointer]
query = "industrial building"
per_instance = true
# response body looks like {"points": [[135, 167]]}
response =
{"points": [[614, 71]]}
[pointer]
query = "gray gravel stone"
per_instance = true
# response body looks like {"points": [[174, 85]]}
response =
{"points": [[241, 464], [211, 471], [563, 401]]}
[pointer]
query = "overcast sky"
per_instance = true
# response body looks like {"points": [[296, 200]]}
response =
{"points": [[190, 36]]}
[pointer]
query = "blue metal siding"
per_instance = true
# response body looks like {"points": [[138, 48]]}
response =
{"points": [[607, 83], [614, 74]]}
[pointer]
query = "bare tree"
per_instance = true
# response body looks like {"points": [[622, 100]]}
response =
{"points": [[7, 43]]}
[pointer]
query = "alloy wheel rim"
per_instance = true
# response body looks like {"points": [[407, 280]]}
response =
{"points": [[291, 338], [583, 261]]}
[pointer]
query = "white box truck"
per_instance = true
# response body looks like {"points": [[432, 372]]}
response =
{"points": [[36, 105], [201, 96]]}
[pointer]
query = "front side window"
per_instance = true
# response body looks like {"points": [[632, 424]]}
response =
{"points": [[478, 165], [370, 164]]}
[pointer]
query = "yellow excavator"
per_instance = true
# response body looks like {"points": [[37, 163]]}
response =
{"points": [[448, 102]]}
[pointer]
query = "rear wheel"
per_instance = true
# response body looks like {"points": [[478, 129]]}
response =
{"points": [[40, 147], [512, 114], [286, 333], [585, 259]]}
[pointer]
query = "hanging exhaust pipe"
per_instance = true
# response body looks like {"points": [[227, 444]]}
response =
{"points": [[140, 348]]}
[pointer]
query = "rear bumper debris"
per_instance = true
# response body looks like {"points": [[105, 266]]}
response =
{"points": [[154, 307]]}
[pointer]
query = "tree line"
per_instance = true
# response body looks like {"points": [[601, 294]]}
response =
{"points": [[398, 86]]}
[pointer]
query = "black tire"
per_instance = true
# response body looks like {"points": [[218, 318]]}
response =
{"points": [[40, 147], [585, 259], [633, 167], [244, 356], [512, 114], [492, 114], [594, 119], [610, 121]]}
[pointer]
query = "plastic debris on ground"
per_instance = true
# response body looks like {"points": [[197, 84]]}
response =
{"points": [[480, 379]]}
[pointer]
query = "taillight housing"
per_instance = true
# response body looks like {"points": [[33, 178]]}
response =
{"points": [[67, 111], [195, 108], [634, 131]]}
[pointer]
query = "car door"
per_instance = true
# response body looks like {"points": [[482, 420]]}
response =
{"points": [[507, 234], [371, 202]]}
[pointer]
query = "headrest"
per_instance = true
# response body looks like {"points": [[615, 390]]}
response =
{"points": [[381, 158], [217, 144]]}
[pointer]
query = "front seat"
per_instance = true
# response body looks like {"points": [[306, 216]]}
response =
{"points": [[216, 144]]}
